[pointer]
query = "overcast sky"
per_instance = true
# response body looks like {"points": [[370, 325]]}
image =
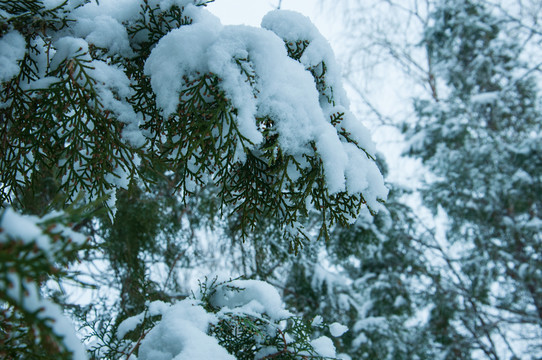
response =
{"points": [[250, 12]]}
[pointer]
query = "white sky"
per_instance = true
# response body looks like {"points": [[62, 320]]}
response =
{"points": [[251, 12]]}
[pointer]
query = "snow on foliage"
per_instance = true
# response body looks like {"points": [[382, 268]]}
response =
{"points": [[291, 26], [182, 334], [337, 329], [324, 347], [19, 285], [12, 49], [249, 310], [98, 94], [250, 297], [468, 134], [241, 107], [284, 91], [278, 88]]}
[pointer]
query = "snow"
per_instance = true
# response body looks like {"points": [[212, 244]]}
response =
{"points": [[25, 292], [19, 227], [399, 301], [75, 237], [357, 131], [337, 329], [265, 352], [40, 84], [169, 61], [41, 55], [69, 47], [112, 84], [129, 324], [106, 32], [181, 335], [281, 89], [359, 340], [485, 98], [24, 228], [534, 224], [103, 23], [362, 175], [317, 321], [323, 346], [182, 331], [292, 26], [120, 10], [252, 297], [370, 323], [12, 50], [522, 176]]}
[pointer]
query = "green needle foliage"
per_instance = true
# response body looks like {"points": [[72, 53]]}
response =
{"points": [[81, 121], [61, 115]]}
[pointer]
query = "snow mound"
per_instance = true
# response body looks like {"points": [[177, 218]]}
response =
{"points": [[250, 297], [181, 335], [337, 329], [12, 50]]}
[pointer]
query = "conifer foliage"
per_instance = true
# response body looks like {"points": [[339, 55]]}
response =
{"points": [[158, 102], [91, 96]]}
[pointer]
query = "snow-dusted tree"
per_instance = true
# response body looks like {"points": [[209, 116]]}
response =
{"points": [[481, 138], [144, 100], [473, 67], [367, 277]]}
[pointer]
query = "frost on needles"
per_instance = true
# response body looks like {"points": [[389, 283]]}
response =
{"points": [[260, 113]]}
